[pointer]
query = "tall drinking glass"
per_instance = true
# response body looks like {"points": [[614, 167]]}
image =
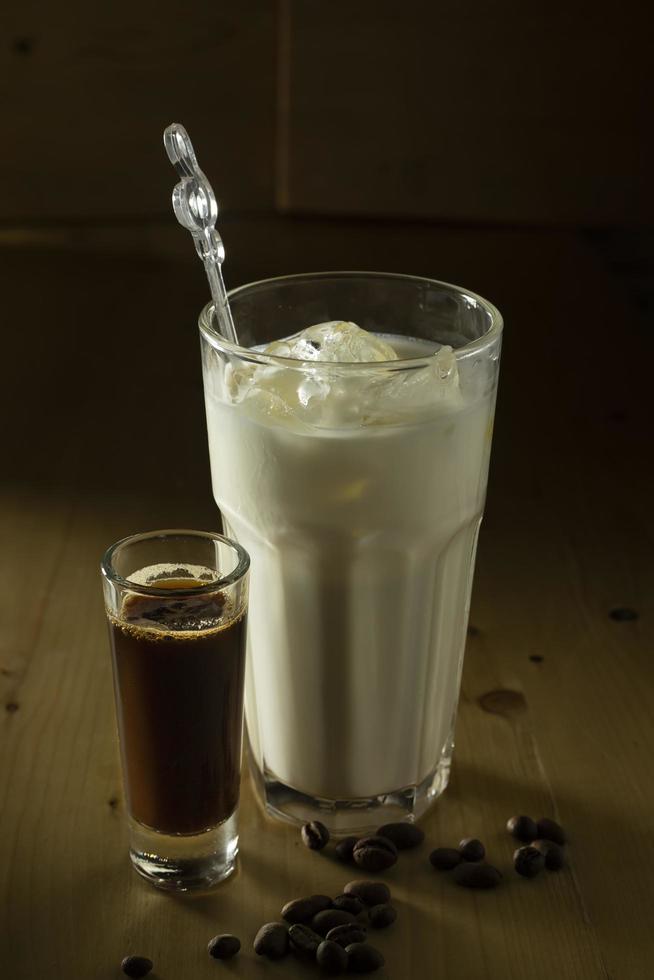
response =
{"points": [[358, 490], [176, 604]]}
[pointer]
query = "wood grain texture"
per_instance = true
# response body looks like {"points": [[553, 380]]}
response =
{"points": [[104, 434], [87, 90], [477, 111]]}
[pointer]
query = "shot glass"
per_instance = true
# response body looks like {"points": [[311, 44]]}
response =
{"points": [[176, 604]]}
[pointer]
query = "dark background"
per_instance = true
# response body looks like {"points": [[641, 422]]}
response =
{"points": [[502, 146], [479, 112]]}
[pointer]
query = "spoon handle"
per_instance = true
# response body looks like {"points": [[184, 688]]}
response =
{"points": [[196, 209]]}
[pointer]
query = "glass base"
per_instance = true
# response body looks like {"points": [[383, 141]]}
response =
{"points": [[354, 816], [185, 862]]}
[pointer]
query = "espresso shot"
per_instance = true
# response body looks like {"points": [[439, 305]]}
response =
{"points": [[176, 604], [179, 669]]}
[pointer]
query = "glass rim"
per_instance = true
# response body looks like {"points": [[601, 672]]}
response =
{"points": [[246, 353], [110, 573]]}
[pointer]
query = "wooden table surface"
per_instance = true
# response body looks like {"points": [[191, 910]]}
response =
{"points": [[103, 434]]}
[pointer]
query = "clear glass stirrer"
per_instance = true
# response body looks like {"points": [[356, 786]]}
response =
{"points": [[196, 209]]}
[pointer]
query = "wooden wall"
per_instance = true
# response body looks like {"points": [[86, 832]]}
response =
{"points": [[464, 111], [470, 109], [89, 88]]}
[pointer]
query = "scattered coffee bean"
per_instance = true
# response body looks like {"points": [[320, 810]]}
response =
{"points": [[224, 947], [553, 854], [522, 828], [375, 853], [362, 958], [528, 861], [370, 892], [272, 940], [550, 830], [304, 941], [315, 835], [329, 919], [136, 966], [348, 903], [347, 934], [476, 874], [304, 909], [331, 957], [445, 858], [623, 614], [472, 849], [344, 849], [403, 835], [381, 916]]}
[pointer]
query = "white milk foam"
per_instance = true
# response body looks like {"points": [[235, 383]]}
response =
{"points": [[358, 495]]}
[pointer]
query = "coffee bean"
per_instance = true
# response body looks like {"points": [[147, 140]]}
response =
{"points": [[553, 854], [370, 892], [331, 957], [348, 903], [304, 941], [136, 966], [329, 919], [472, 849], [528, 861], [315, 835], [347, 934], [304, 909], [224, 947], [623, 614], [445, 858], [362, 958], [522, 828], [272, 940], [375, 853], [550, 830], [344, 849], [476, 874], [403, 835], [381, 916]]}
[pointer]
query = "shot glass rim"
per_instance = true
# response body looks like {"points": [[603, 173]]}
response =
{"points": [[476, 346], [241, 569]]}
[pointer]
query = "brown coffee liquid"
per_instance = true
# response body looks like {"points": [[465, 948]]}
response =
{"points": [[179, 690]]}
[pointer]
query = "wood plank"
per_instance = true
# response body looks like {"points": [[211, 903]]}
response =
{"points": [[564, 541], [478, 111], [88, 89], [262, 246], [579, 510]]}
